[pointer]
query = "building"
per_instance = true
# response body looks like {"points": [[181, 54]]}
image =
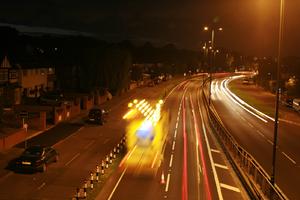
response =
{"points": [[23, 80], [10, 88]]}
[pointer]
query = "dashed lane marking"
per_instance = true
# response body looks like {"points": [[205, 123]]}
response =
{"points": [[6, 176], [65, 139], [260, 133], [215, 150], [270, 141], [41, 186], [89, 144], [171, 161], [106, 141], [221, 166], [113, 191], [229, 187], [250, 125], [173, 145], [288, 157], [168, 182], [74, 157]]}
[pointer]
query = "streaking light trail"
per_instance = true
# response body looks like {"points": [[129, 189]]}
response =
{"points": [[184, 189]]}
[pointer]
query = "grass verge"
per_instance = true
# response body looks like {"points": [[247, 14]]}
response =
{"points": [[257, 103]]}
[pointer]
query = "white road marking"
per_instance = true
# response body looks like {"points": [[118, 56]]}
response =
{"points": [[168, 182], [175, 133], [171, 161], [6, 176], [243, 118], [215, 150], [210, 156], [74, 157], [173, 145], [250, 125], [270, 141], [221, 166], [65, 139], [176, 126], [288, 157], [106, 141], [117, 184], [229, 187], [89, 144], [260, 133], [41, 186]]}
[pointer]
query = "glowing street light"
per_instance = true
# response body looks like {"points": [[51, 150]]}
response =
{"points": [[206, 28]]}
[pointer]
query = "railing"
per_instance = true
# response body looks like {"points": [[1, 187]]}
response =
{"points": [[252, 175]]}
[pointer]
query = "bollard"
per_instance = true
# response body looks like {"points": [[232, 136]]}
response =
{"points": [[118, 148], [110, 157], [102, 167], [77, 194], [84, 189], [97, 173], [107, 162], [92, 180], [115, 152]]}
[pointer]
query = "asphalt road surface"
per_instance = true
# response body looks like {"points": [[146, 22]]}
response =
{"points": [[81, 147], [254, 132], [194, 166]]}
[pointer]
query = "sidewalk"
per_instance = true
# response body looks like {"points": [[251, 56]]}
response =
{"points": [[264, 101]]}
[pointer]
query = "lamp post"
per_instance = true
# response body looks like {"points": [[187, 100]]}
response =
{"points": [[206, 28], [280, 35]]}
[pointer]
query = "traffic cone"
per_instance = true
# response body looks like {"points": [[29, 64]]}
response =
{"points": [[162, 181]]}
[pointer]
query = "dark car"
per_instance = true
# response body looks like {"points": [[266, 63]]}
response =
{"points": [[96, 116], [52, 98], [36, 158]]}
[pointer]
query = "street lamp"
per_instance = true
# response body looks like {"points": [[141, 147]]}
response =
{"points": [[280, 35], [206, 28]]}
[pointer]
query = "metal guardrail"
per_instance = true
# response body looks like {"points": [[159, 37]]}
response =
{"points": [[252, 175]]}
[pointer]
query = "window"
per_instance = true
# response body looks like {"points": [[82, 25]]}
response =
{"points": [[3, 75], [12, 74]]}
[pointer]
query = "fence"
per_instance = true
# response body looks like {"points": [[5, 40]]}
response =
{"points": [[252, 175]]}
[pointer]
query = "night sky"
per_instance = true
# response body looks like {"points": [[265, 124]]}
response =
{"points": [[250, 26]]}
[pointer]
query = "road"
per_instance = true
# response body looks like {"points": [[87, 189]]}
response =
{"points": [[194, 166], [81, 147], [254, 132]]}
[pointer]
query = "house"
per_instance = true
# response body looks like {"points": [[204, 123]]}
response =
{"points": [[10, 88], [35, 81], [24, 80]]}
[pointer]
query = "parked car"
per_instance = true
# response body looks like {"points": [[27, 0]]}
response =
{"points": [[52, 98], [289, 103], [96, 115], [296, 104], [36, 158]]}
